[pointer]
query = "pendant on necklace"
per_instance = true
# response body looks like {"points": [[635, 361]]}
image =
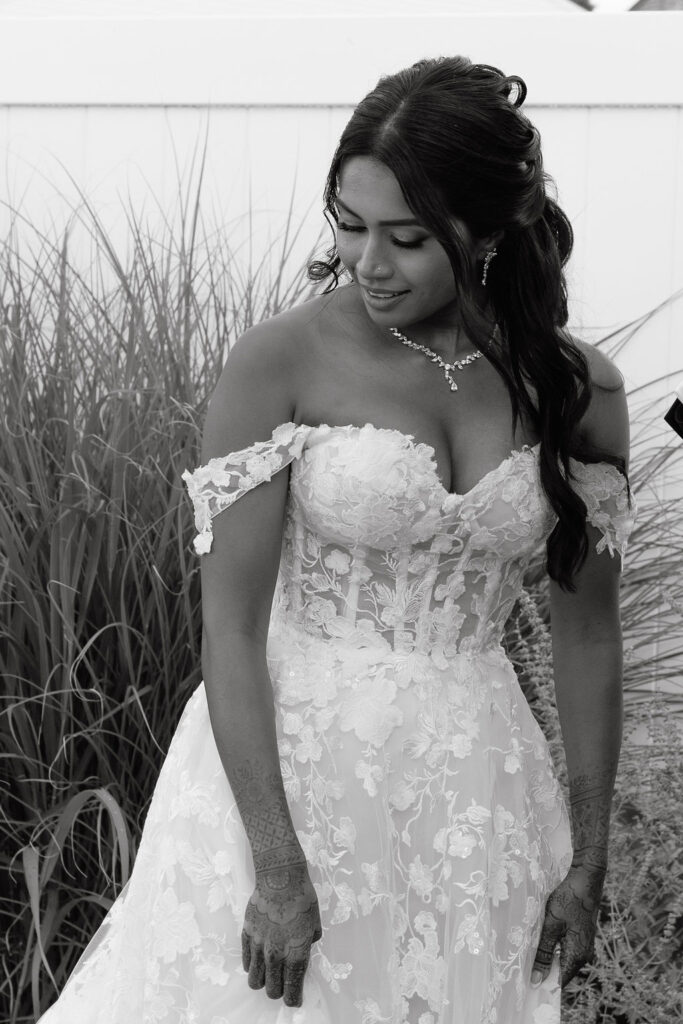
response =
{"points": [[436, 358]]}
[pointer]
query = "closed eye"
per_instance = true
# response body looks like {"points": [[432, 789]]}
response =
{"points": [[397, 241]]}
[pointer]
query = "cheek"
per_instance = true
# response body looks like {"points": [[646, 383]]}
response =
{"points": [[430, 266], [348, 252], [349, 244], [437, 276], [442, 274]]}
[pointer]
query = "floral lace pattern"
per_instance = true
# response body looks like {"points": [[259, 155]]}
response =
{"points": [[419, 783]]}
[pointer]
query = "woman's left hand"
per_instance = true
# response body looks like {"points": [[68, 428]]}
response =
{"points": [[571, 915]]}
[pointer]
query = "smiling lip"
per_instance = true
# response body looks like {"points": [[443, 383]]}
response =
{"points": [[385, 301], [382, 291]]}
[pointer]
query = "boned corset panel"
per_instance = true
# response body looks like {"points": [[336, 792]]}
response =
{"points": [[377, 552]]}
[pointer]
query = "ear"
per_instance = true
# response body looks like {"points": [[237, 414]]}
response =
{"points": [[488, 242]]}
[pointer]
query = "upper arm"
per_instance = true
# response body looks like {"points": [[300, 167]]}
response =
{"points": [[592, 611], [605, 424], [254, 395]]}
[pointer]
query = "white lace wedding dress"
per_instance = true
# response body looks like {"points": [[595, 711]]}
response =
{"points": [[420, 785]]}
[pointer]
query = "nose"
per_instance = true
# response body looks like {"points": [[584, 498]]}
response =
{"points": [[373, 264]]}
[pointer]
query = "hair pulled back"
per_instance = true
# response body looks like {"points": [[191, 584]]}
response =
{"points": [[454, 137]]}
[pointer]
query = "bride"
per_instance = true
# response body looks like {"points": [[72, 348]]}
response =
{"points": [[358, 820]]}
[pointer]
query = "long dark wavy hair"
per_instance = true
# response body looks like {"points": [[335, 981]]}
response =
{"points": [[454, 137]]}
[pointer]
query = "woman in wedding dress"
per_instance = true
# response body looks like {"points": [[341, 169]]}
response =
{"points": [[358, 820]]}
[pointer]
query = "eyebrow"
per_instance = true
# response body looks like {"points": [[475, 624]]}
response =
{"points": [[382, 223]]}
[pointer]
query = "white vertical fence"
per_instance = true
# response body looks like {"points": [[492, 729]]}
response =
{"points": [[117, 106]]}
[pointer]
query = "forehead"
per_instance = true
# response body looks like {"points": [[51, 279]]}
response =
{"points": [[366, 181]]}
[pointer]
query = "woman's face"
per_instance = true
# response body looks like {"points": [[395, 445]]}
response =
{"points": [[383, 255]]}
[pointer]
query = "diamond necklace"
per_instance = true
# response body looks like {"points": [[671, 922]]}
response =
{"points": [[435, 358]]}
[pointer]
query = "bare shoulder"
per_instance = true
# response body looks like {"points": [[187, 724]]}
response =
{"points": [[277, 346], [605, 424], [281, 344], [603, 372], [271, 345], [261, 382], [256, 390]]}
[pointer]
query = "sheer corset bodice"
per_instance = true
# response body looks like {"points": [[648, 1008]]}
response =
{"points": [[376, 552]]}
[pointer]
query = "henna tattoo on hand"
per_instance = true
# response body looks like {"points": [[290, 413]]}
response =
{"points": [[282, 918], [571, 919], [281, 922], [590, 803], [278, 857], [260, 797], [571, 911]]}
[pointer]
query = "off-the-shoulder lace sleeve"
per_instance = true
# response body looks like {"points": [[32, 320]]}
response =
{"points": [[218, 484], [603, 490]]}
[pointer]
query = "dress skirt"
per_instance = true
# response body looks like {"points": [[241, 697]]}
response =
{"points": [[433, 825]]}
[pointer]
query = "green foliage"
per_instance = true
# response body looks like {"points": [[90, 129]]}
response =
{"points": [[102, 395]]}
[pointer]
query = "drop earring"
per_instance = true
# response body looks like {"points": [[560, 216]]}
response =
{"points": [[489, 256]]}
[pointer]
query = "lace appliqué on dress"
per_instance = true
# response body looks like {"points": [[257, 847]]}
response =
{"points": [[216, 485], [603, 490]]}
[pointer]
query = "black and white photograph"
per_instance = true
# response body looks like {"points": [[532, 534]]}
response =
{"points": [[341, 512]]}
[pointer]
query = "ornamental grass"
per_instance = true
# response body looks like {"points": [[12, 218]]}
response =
{"points": [[102, 395], [637, 973]]}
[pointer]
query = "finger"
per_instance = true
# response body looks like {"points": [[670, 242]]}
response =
{"points": [[257, 967], [246, 951], [572, 960], [294, 981], [275, 967], [544, 955], [569, 968], [551, 935]]}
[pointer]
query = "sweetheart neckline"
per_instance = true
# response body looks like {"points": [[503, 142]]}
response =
{"points": [[428, 449]]}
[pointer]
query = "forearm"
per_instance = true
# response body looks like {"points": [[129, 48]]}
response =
{"points": [[240, 700], [589, 692]]}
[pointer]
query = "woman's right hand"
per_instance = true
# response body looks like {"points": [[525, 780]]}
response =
{"points": [[281, 922]]}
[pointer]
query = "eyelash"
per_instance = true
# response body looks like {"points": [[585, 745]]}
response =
{"points": [[396, 241]]}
